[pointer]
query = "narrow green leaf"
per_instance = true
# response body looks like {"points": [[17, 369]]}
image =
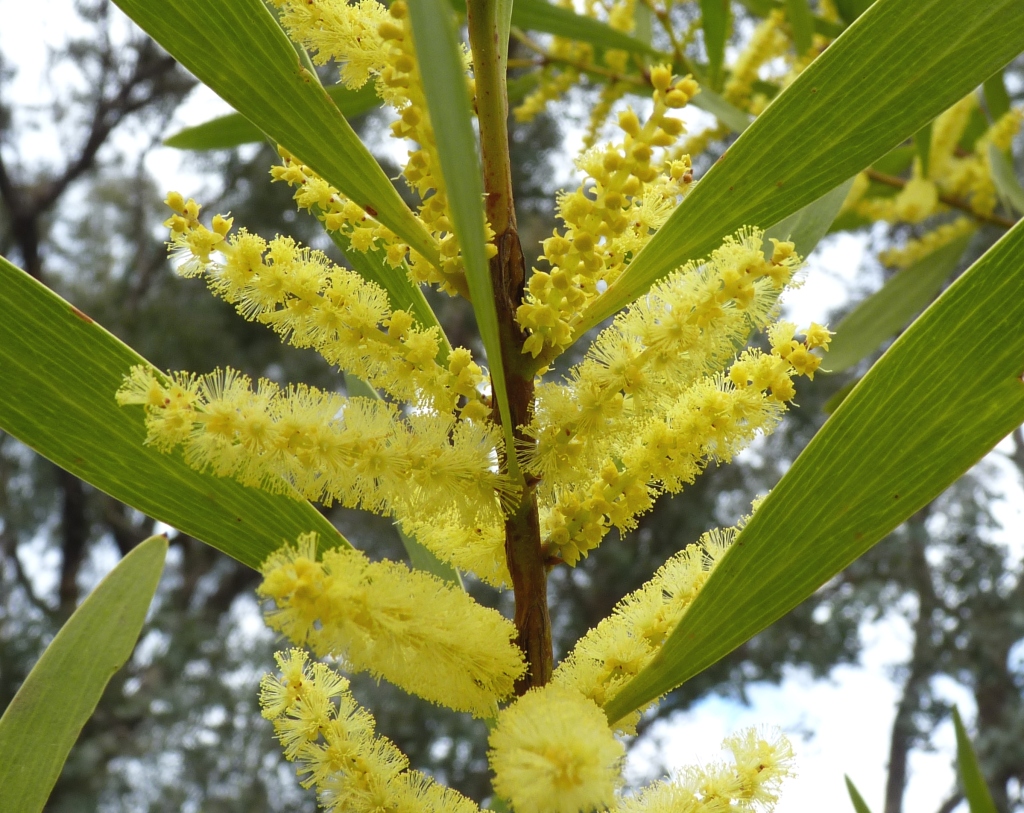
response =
{"points": [[762, 8], [237, 48], [44, 719], [59, 371], [540, 15], [859, 804], [996, 96], [896, 161], [225, 132], [802, 22], [850, 10], [831, 123], [893, 306], [444, 85], [1005, 178], [504, 17], [731, 116], [423, 559], [714, 19], [979, 798], [806, 227], [643, 27], [923, 145], [419, 557], [945, 393], [832, 404]]}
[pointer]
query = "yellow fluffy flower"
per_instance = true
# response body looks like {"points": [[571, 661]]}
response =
{"points": [[311, 302], [406, 626], [656, 397], [552, 752], [749, 784], [331, 738]]}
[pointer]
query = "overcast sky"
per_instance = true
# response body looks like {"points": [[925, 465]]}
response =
{"points": [[839, 725]]}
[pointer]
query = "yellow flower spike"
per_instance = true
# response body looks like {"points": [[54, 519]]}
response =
{"points": [[767, 42], [408, 627], [661, 354], [332, 740], [552, 752], [611, 653], [421, 470], [310, 302], [917, 249], [751, 782]]}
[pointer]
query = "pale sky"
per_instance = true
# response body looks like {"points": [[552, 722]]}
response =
{"points": [[838, 726]]}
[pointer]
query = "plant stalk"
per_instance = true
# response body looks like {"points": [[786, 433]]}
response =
{"points": [[523, 551]]}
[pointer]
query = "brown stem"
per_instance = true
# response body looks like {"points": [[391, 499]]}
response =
{"points": [[949, 200], [523, 551]]}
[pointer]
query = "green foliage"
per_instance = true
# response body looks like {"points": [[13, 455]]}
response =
{"points": [[58, 369], [714, 19], [450, 114], [806, 227], [893, 306], [859, 805], [238, 49], [825, 127], [225, 132], [1005, 179], [978, 796], [946, 392], [42, 722], [539, 15], [799, 14]]}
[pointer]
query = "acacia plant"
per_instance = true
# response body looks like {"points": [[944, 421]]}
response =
{"points": [[506, 464]]}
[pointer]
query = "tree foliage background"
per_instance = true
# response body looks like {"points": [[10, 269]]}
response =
{"points": [[179, 728]]}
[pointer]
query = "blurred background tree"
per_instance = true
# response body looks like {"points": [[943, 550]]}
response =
{"points": [[179, 728]]}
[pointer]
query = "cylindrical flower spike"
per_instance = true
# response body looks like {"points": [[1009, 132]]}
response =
{"points": [[331, 738], [406, 626], [311, 302], [622, 644], [750, 784]]}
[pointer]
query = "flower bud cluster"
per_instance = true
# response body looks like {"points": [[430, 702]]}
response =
{"points": [[311, 302], [767, 42], [953, 173], [930, 242], [337, 212], [406, 626], [626, 196], [331, 738]]}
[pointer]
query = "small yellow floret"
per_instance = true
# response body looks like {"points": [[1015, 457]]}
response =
{"points": [[552, 752]]}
